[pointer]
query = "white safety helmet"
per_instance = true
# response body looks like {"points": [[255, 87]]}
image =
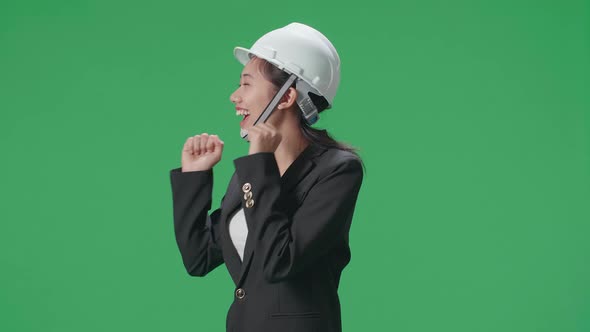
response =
{"points": [[305, 52]]}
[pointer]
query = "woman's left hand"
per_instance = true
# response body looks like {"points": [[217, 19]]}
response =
{"points": [[263, 137]]}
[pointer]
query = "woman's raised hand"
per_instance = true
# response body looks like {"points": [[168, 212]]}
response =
{"points": [[201, 152], [263, 137]]}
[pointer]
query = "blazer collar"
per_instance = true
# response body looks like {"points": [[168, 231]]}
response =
{"points": [[300, 167], [296, 172]]}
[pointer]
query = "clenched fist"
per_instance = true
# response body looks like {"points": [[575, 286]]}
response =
{"points": [[263, 137], [201, 152]]}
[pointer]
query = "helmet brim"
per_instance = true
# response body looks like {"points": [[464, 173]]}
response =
{"points": [[242, 55]]}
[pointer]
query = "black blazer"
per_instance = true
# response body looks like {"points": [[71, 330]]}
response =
{"points": [[297, 243]]}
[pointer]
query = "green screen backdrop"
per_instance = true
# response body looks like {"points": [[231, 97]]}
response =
{"points": [[472, 117]]}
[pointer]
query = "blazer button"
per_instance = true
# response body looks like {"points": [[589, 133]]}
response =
{"points": [[248, 195], [240, 293], [246, 187], [249, 203]]}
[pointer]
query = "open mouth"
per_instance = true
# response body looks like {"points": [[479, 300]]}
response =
{"points": [[244, 120], [244, 113]]}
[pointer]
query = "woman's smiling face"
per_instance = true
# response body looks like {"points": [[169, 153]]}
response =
{"points": [[253, 94]]}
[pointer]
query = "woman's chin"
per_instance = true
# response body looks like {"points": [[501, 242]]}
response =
{"points": [[244, 124]]}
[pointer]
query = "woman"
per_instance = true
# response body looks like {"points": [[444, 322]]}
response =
{"points": [[282, 226]]}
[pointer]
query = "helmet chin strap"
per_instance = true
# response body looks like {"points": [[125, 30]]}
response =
{"points": [[271, 105]]}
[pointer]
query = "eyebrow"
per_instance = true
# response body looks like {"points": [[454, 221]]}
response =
{"points": [[248, 75]]}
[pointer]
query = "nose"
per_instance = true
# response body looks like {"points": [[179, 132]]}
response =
{"points": [[234, 97]]}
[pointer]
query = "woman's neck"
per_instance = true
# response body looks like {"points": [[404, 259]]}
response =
{"points": [[291, 146]]}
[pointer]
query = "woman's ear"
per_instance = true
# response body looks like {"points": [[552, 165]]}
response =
{"points": [[289, 99]]}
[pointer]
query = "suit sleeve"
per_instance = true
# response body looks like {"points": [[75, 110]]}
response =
{"points": [[322, 221], [196, 232]]}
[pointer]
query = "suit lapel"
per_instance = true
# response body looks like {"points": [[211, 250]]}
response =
{"points": [[296, 172], [232, 203]]}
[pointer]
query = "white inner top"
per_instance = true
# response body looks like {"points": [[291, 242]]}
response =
{"points": [[238, 231]]}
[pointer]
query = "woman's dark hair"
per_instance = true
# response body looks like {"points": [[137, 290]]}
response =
{"points": [[319, 137]]}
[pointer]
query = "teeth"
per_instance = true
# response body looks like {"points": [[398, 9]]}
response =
{"points": [[242, 112]]}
